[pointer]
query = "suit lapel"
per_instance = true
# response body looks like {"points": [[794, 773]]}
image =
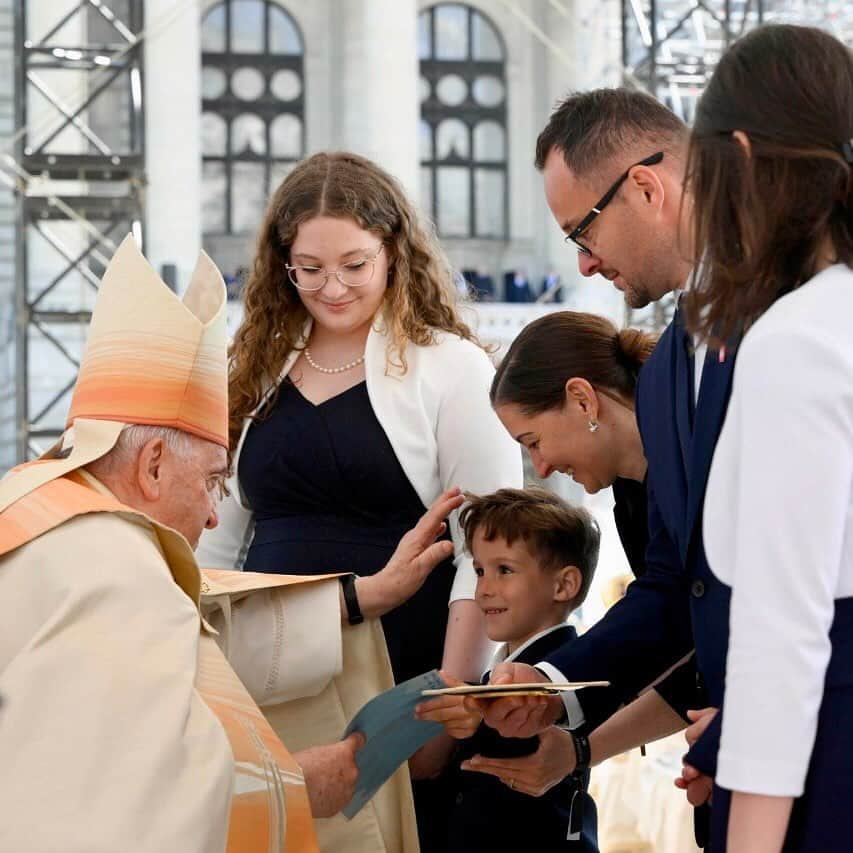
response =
{"points": [[683, 390], [714, 393]]}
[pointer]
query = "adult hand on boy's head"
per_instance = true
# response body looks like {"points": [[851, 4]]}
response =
{"points": [[458, 719], [533, 774], [518, 716], [417, 554]]}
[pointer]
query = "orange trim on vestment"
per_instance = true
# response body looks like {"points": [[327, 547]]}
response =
{"points": [[270, 810]]}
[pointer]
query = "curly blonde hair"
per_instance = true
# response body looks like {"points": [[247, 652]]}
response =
{"points": [[420, 300]]}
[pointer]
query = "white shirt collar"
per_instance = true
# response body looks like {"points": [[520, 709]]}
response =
{"points": [[501, 656]]}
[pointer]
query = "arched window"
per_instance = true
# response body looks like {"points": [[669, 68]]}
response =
{"points": [[253, 108], [463, 149]]}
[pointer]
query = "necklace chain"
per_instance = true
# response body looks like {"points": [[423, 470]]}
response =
{"points": [[342, 369]]}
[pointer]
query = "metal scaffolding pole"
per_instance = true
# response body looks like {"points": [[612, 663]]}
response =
{"points": [[670, 49], [79, 172]]}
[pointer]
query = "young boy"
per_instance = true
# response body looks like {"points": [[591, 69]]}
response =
{"points": [[534, 556]]}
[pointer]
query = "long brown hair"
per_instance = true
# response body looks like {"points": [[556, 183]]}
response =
{"points": [[763, 217], [566, 344], [420, 300]]}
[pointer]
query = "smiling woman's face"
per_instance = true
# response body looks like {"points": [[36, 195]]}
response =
{"points": [[340, 244], [560, 440]]}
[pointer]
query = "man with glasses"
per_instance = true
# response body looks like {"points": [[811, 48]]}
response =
{"points": [[613, 163]]}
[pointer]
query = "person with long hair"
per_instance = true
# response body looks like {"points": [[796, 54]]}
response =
{"points": [[770, 171], [357, 395]]}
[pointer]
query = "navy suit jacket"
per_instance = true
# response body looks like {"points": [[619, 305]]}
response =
{"points": [[677, 604], [531, 823]]}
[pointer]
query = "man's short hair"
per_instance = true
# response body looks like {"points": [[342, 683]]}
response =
{"points": [[609, 126], [557, 533]]}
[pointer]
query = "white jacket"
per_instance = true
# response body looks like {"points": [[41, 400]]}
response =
{"points": [[440, 423]]}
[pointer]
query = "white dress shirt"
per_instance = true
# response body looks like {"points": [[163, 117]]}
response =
{"points": [[501, 654], [778, 528]]}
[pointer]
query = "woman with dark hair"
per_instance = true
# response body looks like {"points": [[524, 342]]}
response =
{"points": [[357, 395], [565, 392], [771, 176]]}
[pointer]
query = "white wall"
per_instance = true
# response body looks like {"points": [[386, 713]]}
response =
{"points": [[361, 61], [173, 136]]}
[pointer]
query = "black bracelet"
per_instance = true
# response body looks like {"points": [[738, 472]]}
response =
{"points": [[354, 616], [583, 753]]}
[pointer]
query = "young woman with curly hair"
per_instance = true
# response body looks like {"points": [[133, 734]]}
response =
{"points": [[357, 396]]}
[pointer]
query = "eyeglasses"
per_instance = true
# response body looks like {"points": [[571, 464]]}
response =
{"points": [[353, 274], [217, 486], [605, 200]]}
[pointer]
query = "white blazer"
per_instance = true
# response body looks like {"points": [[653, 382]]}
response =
{"points": [[778, 529], [440, 423]]}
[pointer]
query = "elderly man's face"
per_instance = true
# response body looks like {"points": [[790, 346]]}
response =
{"points": [[190, 488]]}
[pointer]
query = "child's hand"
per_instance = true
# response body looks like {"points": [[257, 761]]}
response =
{"points": [[458, 720]]}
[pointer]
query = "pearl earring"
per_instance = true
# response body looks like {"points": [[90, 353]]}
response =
{"points": [[593, 426]]}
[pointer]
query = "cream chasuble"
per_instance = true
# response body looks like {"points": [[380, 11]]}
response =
{"points": [[323, 693], [177, 750], [116, 700]]}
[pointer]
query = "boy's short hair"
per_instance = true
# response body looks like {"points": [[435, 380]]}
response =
{"points": [[556, 532]]}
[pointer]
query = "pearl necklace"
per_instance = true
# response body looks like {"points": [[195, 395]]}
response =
{"points": [[330, 370]]}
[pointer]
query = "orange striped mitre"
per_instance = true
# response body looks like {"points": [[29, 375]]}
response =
{"points": [[152, 358]]}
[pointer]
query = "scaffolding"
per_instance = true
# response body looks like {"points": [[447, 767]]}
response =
{"points": [[671, 47], [77, 164]]}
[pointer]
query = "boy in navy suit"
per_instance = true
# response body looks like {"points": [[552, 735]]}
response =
{"points": [[534, 556]]}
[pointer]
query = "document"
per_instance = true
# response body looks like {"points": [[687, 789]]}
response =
{"points": [[392, 735], [496, 691]]}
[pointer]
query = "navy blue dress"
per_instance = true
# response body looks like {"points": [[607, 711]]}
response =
{"points": [[329, 495]]}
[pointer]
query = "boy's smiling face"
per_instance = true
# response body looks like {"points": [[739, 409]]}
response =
{"points": [[518, 597]]}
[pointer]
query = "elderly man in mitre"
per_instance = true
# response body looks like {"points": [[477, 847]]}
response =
{"points": [[123, 725]]}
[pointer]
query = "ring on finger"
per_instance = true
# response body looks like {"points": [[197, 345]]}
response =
{"points": [[511, 784]]}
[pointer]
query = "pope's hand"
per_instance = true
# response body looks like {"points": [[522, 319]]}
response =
{"points": [[330, 774], [411, 563], [458, 719], [532, 774], [518, 716]]}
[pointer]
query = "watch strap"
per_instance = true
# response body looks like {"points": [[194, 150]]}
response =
{"points": [[354, 615]]}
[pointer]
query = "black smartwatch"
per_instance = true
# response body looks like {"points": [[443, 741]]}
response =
{"points": [[583, 753], [354, 616]]}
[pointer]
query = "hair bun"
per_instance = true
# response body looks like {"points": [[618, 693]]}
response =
{"points": [[634, 347]]}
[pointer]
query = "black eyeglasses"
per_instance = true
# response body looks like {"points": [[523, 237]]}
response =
{"points": [[605, 200]]}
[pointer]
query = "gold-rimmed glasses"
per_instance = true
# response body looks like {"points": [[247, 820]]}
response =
{"points": [[355, 273]]}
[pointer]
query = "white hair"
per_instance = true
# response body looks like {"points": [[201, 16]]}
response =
{"points": [[135, 436]]}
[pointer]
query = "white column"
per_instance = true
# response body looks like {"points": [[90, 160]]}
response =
{"points": [[379, 102], [173, 136], [589, 36]]}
